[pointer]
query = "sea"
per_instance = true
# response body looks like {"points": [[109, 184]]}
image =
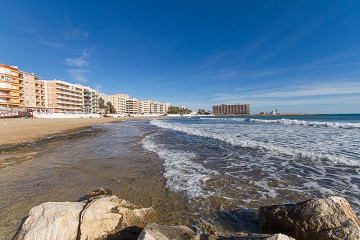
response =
{"points": [[193, 170], [251, 161]]}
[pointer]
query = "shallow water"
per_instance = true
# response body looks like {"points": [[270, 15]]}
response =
{"points": [[64, 170], [189, 169]]}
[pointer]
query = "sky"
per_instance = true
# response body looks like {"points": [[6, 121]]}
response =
{"points": [[293, 56]]}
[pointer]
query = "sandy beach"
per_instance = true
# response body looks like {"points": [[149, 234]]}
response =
{"points": [[19, 130]]}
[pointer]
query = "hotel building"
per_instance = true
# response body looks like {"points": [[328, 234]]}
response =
{"points": [[64, 97], [9, 87], [234, 109]]}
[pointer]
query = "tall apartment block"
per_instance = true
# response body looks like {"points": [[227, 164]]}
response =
{"points": [[91, 100], [132, 106], [9, 87], [64, 97], [118, 101], [234, 109], [32, 91]]}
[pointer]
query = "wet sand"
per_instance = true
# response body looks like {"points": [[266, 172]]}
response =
{"points": [[19, 130]]}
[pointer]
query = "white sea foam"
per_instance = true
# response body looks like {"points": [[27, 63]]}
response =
{"points": [[229, 137], [225, 119], [181, 173], [346, 125]]}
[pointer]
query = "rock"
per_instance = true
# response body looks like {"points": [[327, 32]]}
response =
{"points": [[251, 236], [52, 220], [108, 214], [323, 219], [97, 192], [279, 237], [161, 232], [96, 218]]}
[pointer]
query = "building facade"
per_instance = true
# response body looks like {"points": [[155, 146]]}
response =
{"points": [[117, 100], [91, 100], [153, 107], [9, 87], [234, 109], [32, 92], [132, 106], [64, 97]]}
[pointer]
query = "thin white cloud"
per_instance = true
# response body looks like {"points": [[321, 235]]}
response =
{"points": [[79, 62], [79, 75], [339, 88]]}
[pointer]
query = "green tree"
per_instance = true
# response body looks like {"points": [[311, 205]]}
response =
{"points": [[178, 110], [110, 108], [101, 103]]}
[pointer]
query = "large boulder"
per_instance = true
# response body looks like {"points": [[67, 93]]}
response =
{"points": [[251, 236], [161, 232], [52, 220], [109, 214], [322, 219], [95, 218]]}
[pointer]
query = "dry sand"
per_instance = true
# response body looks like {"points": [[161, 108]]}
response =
{"points": [[21, 130]]}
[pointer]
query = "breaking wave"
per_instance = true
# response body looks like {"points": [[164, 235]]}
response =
{"points": [[254, 144], [345, 125]]}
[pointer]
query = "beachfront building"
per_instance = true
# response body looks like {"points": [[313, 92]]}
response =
{"points": [[132, 106], [32, 92], [153, 107], [91, 100], [64, 97], [9, 87], [117, 100], [144, 106], [234, 109]]}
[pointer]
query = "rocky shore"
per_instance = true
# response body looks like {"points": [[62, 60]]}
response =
{"points": [[101, 215]]}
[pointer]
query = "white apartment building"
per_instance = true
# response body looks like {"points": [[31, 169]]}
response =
{"points": [[63, 97], [91, 100], [153, 107]]}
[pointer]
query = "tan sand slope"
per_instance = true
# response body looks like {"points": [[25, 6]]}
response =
{"points": [[24, 130]]}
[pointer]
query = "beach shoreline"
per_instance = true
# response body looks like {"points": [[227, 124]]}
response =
{"points": [[16, 131]]}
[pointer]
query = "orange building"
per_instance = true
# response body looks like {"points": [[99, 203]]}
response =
{"points": [[9, 87]]}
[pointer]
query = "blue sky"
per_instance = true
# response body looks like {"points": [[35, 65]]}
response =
{"points": [[294, 56]]}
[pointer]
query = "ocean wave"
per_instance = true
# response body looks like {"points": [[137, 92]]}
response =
{"points": [[248, 143], [345, 125], [181, 174], [225, 119]]}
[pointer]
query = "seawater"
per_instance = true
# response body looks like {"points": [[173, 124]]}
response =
{"points": [[216, 169], [237, 163]]}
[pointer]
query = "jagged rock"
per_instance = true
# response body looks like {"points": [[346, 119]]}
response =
{"points": [[161, 232], [94, 219], [52, 220], [109, 214], [251, 236], [323, 219], [98, 192]]}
